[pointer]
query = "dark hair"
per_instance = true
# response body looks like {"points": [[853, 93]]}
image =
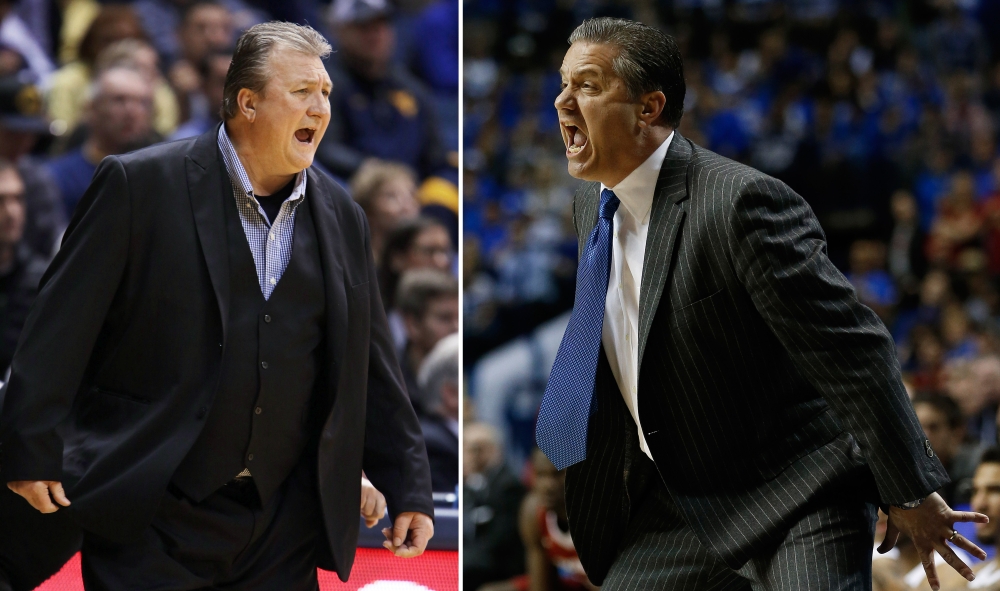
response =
{"points": [[991, 455], [418, 287], [249, 68], [944, 404], [648, 59], [400, 240]]}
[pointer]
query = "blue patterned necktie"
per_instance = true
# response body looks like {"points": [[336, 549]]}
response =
{"points": [[561, 430]]}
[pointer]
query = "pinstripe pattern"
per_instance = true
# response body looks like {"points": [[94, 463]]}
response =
{"points": [[828, 549], [762, 381]]}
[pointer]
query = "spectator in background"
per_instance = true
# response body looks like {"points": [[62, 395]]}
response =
{"points": [[140, 56], [21, 125], [387, 193], [873, 284], [427, 304], [16, 37], [942, 421], [906, 258], [437, 410], [119, 119], [164, 21], [958, 223], [550, 557], [379, 109], [68, 94], [416, 243], [491, 504], [212, 74], [205, 28], [20, 268]]}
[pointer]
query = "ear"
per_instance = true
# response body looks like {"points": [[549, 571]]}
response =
{"points": [[246, 101], [653, 104]]}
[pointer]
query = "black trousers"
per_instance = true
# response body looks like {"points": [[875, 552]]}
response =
{"points": [[828, 549], [228, 541], [33, 546]]}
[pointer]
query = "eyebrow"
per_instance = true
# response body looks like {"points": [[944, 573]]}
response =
{"points": [[585, 70]]}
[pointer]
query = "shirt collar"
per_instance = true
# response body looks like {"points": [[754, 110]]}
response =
{"points": [[238, 175], [636, 190]]}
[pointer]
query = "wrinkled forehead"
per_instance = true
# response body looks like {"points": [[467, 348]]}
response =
{"points": [[291, 66], [585, 58]]}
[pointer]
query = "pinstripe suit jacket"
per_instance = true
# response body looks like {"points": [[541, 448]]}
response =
{"points": [[762, 380]]}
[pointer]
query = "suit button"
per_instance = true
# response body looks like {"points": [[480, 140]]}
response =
{"points": [[927, 448], [257, 410], [250, 458], [201, 412], [267, 317], [263, 364]]}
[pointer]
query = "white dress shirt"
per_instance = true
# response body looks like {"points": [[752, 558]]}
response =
{"points": [[620, 333]]}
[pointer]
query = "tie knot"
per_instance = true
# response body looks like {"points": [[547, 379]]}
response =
{"points": [[609, 204]]}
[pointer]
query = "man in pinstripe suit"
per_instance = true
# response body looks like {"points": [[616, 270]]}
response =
{"points": [[747, 414]]}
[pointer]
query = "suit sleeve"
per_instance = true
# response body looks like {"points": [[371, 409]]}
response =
{"points": [[395, 458], [62, 327], [779, 254]]}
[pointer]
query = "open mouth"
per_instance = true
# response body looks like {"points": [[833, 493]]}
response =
{"points": [[305, 135], [575, 139]]}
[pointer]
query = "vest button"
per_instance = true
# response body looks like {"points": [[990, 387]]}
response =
{"points": [[263, 364], [257, 410], [267, 317], [250, 458]]}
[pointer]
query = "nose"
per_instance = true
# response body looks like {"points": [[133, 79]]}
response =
{"points": [[320, 105], [563, 99]]}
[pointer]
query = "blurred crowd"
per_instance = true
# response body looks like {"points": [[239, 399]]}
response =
{"points": [[84, 79], [884, 115]]}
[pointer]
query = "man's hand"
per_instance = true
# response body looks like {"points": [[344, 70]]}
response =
{"points": [[409, 534], [929, 526], [372, 503], [41, 493]]}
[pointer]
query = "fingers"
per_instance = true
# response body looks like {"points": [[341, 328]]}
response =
{"points": [[36, 492], [367, 503], [379, 506], [421, 530], [927, 561], [954, 561], [400, 528], [967, 545], [968, 516], [58, 494], [891, 537]]}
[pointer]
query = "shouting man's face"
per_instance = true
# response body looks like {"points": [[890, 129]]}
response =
{"points": [[598, 120]]}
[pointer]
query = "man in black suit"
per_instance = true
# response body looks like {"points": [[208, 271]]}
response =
{"points": [[207, 368], [730, 414]]}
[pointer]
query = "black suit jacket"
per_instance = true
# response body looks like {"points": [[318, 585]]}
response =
{"points": [[120, 357], [762, 380]]}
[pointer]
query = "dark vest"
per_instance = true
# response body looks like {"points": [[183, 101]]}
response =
{"points": [[260, 418]]}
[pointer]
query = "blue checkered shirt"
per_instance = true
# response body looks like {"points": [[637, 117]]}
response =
{"points": [[270, 243]]}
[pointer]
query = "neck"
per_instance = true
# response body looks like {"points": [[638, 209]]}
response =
{"points": [[263, 181], [416, 355], [649, 139]]}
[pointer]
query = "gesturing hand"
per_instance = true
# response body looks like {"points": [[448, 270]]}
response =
{"points": [[372, 503], [929, 526], [41, 493], [409, 534]]}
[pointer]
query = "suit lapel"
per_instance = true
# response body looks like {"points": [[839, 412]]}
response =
{"points": [[203, 167], [665, 221], [328, 232]]}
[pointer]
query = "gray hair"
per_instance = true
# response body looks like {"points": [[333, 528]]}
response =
{"points": [[648, 59], [439, 368], [249, 66]]}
